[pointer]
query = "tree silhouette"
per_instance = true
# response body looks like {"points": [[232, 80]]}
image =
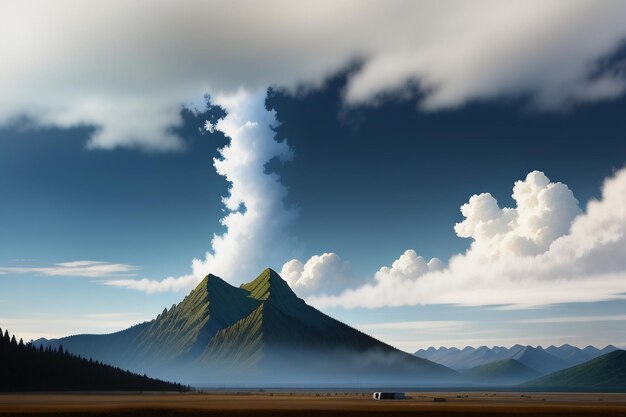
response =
{"points": [[26, 367]]}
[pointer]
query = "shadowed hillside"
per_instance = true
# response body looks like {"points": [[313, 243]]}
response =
{"points": [[27, 368], [605, 372], [507, 371]]}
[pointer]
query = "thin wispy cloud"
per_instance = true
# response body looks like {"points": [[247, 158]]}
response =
{"points": [[111, 315], [59, 325], [414, 325], [574, 319], [88, 269]]}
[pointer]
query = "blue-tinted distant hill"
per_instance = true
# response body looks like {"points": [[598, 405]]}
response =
{"points": [[503, 372], [27, 368], [607, 372], [544, 361]]}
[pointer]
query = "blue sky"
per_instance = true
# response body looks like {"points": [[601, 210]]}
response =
{"points": [[362, 165]]}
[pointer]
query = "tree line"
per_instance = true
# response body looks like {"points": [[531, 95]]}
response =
{"points": [[26, 367]]}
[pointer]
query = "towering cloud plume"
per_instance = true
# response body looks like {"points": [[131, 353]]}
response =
{"points": [[125, 66], [256, 221], [542, 251]]}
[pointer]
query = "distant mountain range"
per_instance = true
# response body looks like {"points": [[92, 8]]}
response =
{"points": [[262, 333], [538, 359], [258, 333]]}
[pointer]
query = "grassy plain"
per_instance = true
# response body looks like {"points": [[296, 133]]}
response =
{"points": [[261, 404]]}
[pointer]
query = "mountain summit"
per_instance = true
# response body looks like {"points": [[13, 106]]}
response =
{"points": [[259, 332]]}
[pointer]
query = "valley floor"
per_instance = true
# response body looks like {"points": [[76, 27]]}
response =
{"points": [[311, 404]]}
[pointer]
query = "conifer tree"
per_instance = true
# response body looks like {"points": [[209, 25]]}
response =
{"points": [[26, 367]]}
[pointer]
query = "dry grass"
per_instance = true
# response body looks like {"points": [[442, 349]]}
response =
{"points": [[311, 404]]}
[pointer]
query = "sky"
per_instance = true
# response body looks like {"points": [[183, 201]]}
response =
{"points": [[427, 172]]}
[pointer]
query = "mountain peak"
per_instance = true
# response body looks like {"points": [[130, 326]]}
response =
{"points": [[260, 330], [202, 285], [215, 283], [269, 284]]}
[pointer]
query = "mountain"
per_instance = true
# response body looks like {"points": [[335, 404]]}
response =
{"points": [[468, 357], [26, 368], [503, 372], [259, 332], [608, 349], [575, 356], [570, 354], [538, 359], [544, 361], [606, 372]]}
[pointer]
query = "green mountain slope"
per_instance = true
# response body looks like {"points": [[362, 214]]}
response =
{"points": [[507, 371], [604, 372], [260, 331], [187, 327]]}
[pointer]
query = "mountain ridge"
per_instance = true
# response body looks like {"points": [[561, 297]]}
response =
{"points": [[544, 361], [258, 331]]}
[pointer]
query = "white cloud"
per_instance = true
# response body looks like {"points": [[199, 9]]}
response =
{"points": [[544, 211], [329, 274], [323, 274], [415, 325], [256, 221], [126, 67], [152, 286], [574, 319], [90, 269], [521, 257], [408, 266]]}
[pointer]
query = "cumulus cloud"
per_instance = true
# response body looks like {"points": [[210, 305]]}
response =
{"points": [[537, 253], [89, 269], [257, 220], [408, 266], [329, 274], [125, 67], [544, 211], [322, 274]]}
